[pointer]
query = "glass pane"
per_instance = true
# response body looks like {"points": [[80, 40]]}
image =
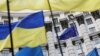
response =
{"points": [[55, 20], [89, 21], [6, 17], [58, 29], [80, 19], [92, 29]]}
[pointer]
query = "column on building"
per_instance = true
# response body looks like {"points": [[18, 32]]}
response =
{"points": [[50, 40], [96, 16], [64, 25], [79, 42], [84, 32], [70, 49], [78, 28]]}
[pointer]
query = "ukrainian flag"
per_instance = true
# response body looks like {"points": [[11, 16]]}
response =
{"points": [[30, 32]]}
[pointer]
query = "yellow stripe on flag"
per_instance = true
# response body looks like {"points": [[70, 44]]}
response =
{"points": [[62, 5], [26, 37]]}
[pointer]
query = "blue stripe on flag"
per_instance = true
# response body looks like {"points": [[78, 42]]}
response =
{"points": [[4, 30], [32, 21], [37, 51]]}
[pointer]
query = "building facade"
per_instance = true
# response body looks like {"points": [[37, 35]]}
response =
{"points": [[88, 37]]}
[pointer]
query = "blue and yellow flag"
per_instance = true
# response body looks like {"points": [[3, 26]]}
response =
{"points": [[30, 32], [58, 5]]}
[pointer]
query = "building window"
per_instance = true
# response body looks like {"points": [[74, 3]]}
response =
{"points": [[63, 46], [66, 13], [56, 46], [56, 21], [99, 35], [78, 43], [92, 29], [19, 18], [71, 17], [64, 24], [96, 14], [6, 17], [55, 15], [80, 19], [5, 52], [72, 24], [82, 40], [48, 26], [58, 29], [47, 47], [81, 54], [86, 14], [89, 21], [73, 42], [96, 39], [91, 38], [78, 46], [6, 22]]}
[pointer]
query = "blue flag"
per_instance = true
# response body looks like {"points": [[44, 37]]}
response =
{"points": [[94, 52], [37, 51], [68, 33]]}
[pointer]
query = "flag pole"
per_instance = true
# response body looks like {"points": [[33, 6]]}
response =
{"points": [[55, 27], [9, 21], [78, 36]]}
